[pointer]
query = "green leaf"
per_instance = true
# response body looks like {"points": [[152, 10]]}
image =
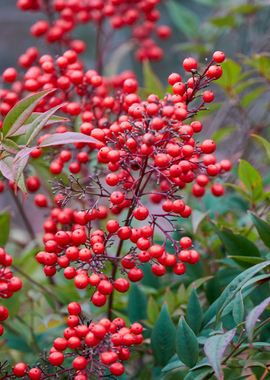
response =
{"points": [[222, 133], [4, 228], [231, 74], [194, 312], [261, 62], [197, 284], [251, 179], [184, 19], [264, 143], [152, 84], [242, 260], [196, 218], [246, 9], [170, 300], [137, 304], [198, 374], [214, 349], [52, 120], [187, 347], [21, 112], [237, 245], [9, 146], [37, 125], [228, 294], [228, 21], [263, 229], [163, 337], [238, 308], [252, 96], [152, 310], [253, 317], [173, 364]]}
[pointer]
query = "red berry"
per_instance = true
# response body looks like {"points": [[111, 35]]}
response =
{"points": [[190, 64], [219, 56], [20, 369], [117, 369]]}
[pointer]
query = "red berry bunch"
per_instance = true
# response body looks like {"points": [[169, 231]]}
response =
{"points": [[92, 348], [9, 284], [62, 17], [148, 154]]}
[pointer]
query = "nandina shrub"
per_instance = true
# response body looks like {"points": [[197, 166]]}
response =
{"points": [[119, 166]]}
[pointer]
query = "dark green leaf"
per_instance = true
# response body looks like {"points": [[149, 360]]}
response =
{"points": [[21, 112], [4, 228], [163, 337], [194, 312], [231, 290], [238, 308], [187, 347], [137, 304], [214, 349], [263, 229], [198, 374], [173, 364], [237, 245], [245, 260], [253, 317]]}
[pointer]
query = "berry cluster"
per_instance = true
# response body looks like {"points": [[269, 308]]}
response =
{"points": [[145, 156], [9, 284], [63, 16], [122, 198], [92, 348]]}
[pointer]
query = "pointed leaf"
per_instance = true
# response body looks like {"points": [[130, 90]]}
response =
{"points": [[163, 337], [214, 349], [173, 364], [238, 308], [237, 245], [263, 229], [52, 120], [67, 138], [21, 112], [137, 304], [245, 260], [194, 312], [253, 317], [251, 179], [187, 347], [264, 143], [231, 290], [198, 374], [37, 125]]}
